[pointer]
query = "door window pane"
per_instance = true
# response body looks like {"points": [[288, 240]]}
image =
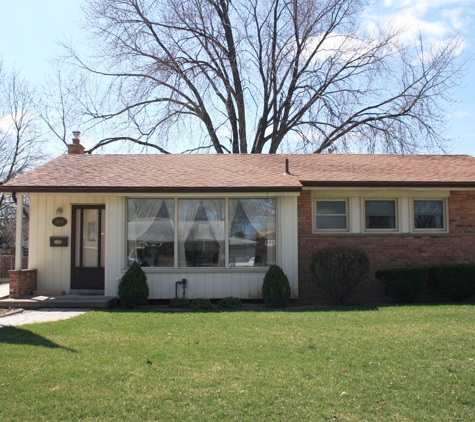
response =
{"points": [[380, 214], [252, 239], [90, 238]]}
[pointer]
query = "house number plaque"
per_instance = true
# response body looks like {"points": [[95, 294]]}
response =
{"points": [[59, 221]]}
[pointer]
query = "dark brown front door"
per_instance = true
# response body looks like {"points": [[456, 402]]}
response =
{"points": [[87, 246]]}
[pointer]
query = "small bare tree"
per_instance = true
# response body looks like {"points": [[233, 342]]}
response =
{"points": [[265, 75], [20, 141]]}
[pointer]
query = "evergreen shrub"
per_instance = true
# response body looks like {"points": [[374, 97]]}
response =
{"points": [[133, 288], [179, 302], [276, 288], [456, 281], [230, 302], [403, 284], [201, 304]]}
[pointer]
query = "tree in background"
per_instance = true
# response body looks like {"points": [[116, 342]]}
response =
{"points": [[254, 76], [20, 145]]}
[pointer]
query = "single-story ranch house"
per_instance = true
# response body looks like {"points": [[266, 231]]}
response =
{"points": [[219, 221]]}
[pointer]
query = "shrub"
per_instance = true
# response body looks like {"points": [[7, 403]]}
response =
{"points": [[338, 270], [230, 303], [133, 288], [276, 288], [456, 281], [201, 304], [403, 284], [179, 302]]}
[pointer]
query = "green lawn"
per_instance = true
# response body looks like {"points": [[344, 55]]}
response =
{"points": [[412, 363]]}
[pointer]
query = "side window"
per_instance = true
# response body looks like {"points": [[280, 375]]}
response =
{"points": [[380, 214], [331, 215], [429, 214]]}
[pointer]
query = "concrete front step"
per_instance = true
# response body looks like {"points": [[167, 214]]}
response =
{"points": [[61, 301]]}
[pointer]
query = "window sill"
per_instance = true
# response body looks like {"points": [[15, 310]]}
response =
{"points": [[151, 270]]}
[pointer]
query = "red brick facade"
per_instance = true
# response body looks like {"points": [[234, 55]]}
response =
{"points": [[391, 250], [22, 282]]}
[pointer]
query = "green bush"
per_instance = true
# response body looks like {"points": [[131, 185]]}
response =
{"points": [[338, 270], [230, 303], [276, 288], [133, 288], [179, 302], [201, 304], [456, 281], [403, 284]]}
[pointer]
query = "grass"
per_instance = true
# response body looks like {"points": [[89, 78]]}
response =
{"points": [[409, 363]]}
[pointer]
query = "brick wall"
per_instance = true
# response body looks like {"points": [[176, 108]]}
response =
{"points": [[22, 282], [390, 251]]}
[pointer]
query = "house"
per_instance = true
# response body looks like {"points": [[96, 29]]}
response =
{"points": [[219, 221]]}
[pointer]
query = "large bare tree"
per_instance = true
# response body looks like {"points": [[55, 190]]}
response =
{"points": [[253, 76]]}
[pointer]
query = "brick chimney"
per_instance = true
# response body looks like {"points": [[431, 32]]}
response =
{"points": [[76, 147]]}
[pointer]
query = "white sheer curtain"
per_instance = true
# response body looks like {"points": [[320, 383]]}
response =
{"points": [[261, 214], [187, 209], [141, 214], [214, 209]]}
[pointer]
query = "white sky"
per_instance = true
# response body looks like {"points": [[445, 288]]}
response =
{"points": [[30, 30]]}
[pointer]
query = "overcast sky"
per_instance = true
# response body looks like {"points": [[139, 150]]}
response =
{"points": [[30, 31]]}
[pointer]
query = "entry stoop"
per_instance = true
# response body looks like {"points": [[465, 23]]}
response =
{"points": [[60, 301]]}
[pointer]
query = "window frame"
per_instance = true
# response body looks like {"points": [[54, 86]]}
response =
{"points": [[397, 223], [445, 220], [331, 230]]}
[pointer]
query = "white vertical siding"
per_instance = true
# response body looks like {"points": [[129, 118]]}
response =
{"points": [[287, 244], [115, 243], [53, 263]]}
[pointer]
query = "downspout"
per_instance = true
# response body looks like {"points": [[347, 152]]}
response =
{"points": [[19, 234]]}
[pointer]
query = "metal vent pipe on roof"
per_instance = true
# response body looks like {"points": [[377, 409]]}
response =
{"points": [[287, 172]]}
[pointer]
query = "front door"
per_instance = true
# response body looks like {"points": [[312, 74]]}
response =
{"points": [[87, 246]]}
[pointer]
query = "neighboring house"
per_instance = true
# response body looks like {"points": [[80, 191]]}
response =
{"points": [[219, 221]]}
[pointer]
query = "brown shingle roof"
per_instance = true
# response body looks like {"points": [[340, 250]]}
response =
{"points": [[255, 172]]}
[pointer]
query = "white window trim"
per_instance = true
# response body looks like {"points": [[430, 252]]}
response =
{"points": [[397, 211], [445, 216], [314, 214]]}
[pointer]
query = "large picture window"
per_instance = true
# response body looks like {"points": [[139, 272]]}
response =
{"points": [[201, 232], [205, 235], [150, 232], [251, 232]]}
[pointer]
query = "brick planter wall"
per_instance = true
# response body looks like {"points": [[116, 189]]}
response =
{"points": [[22, 283], [389, 251]]}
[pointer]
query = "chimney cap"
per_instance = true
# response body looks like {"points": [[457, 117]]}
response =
{"points": [[76, 135]]}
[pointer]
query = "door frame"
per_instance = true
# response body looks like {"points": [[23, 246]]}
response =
{"points": [[92, 270]]}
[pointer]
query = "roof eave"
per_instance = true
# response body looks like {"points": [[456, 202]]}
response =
{"points": [[386, 184], [148, 189]]}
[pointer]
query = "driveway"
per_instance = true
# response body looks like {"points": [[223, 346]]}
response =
{"points": [[42, 315]]}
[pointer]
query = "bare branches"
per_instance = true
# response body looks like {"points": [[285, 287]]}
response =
{"points": [[261, 72]]}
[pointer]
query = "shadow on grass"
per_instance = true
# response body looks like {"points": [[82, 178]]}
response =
{"points": [[14, 335], [255, 307]]}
